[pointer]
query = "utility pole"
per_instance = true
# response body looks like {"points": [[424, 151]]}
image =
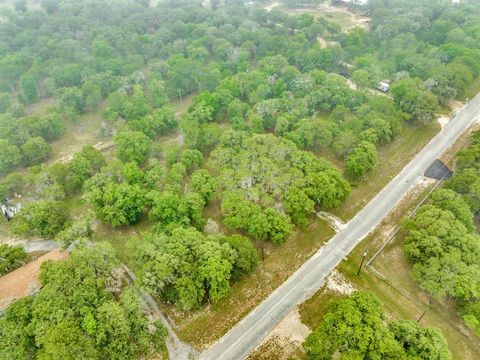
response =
{"points": [[421, 316], [361, 263]]}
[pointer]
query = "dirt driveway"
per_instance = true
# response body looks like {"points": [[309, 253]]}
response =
{"points": [[24, 281]]}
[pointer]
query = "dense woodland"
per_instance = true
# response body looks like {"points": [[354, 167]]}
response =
{"points": [[268, 104]]}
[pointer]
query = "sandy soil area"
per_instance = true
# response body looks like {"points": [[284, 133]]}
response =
{"points": [[24, 281], [284, 341]]}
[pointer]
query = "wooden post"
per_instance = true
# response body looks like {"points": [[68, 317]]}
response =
{"points": [[361, 263]]}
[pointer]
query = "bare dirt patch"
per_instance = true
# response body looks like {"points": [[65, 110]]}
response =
{"points": [[351, 84], [284, 341], [24, 281], [443, 120], [84, 131], [323, 43], [101, 146], [337, 283], [335, 222]]}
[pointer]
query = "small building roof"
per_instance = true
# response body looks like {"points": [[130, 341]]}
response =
{"points": [[438, 170]]}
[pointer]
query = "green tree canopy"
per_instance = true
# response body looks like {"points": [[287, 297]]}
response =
{"points": [[444, 252], [355, 327], [35, 151], [81, 311], [41, 218], [186, 267], [132, 146], [114, 203], [11, 258], [9, 156], [360, 160]]}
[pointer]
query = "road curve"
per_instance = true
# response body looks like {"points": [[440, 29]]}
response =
{"points": [[310, 277]]}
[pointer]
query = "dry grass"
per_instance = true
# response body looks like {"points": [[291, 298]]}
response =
{"points": [[84, 131], [278, 349]]}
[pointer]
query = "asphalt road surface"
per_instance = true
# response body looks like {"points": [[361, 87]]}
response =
{"points": [[248, 333]]}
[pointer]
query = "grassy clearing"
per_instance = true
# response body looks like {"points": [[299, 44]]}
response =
{"points": [[337, 15], [206, 325], [342, 19], [392, 158], [41, 107], [84, 131], [401, 298], [314, 309], [180, 106]]}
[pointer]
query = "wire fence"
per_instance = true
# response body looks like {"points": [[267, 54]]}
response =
{"points": [[393, 233]]}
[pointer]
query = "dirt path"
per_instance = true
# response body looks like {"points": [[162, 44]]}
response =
{"points": [[284, 340], [24, 281], [336, 223], [177, 349]]}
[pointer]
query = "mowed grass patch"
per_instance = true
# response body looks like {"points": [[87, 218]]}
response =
{"points": [[203, 327], [400, 296], [392, 158]]}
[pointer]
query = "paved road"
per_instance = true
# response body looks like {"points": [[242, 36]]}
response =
{"points": [[248, 333]]}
